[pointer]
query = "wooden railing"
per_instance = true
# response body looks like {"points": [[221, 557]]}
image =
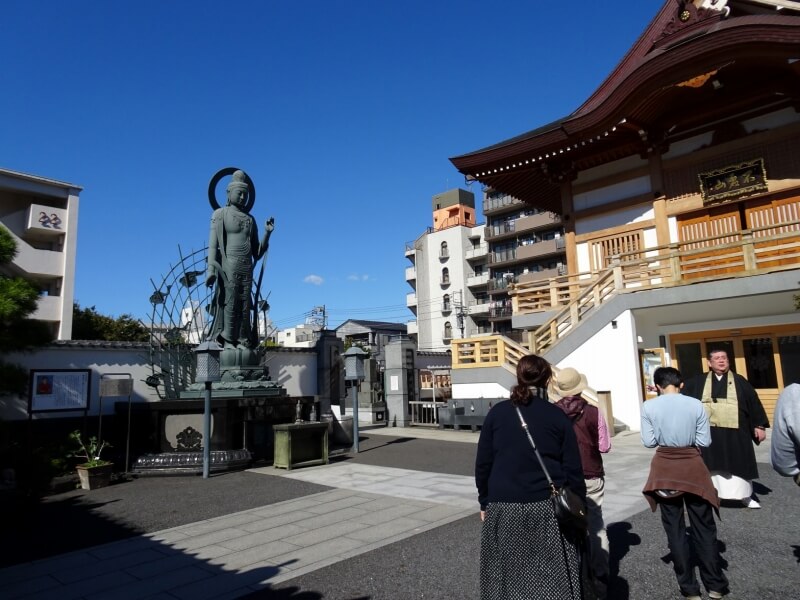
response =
{"points": [[755, 252], [496, 351], [486, 351]]}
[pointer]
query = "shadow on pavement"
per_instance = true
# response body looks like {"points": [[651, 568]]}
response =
{"points": [[620, 540], [291, 593], [80, 543]]}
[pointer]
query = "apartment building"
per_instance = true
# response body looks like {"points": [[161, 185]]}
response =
{"points": [[525, 244], [449, 275], [42, 216]]}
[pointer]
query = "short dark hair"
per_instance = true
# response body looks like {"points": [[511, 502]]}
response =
{"points": [[665, 376], [715, 350]]}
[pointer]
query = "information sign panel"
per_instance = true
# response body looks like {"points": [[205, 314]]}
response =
{"points": [[59, 389]]}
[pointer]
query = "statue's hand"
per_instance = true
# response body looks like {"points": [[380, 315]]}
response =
{"points": [[210, 280], [270, 225]]}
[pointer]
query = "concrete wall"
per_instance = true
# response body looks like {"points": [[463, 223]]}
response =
{"points": [[610, 361], [294, 369]]}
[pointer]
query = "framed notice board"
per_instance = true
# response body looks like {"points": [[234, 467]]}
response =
{"points": [[59, 389], [651, 359]]}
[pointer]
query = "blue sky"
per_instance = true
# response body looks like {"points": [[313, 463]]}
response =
{"points": [[343, 112]]}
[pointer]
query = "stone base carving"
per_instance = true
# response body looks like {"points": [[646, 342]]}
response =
{"points": [[184, 463]]}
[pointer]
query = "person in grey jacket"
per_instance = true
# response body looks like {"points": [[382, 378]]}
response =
{"points": [[785, 442]]}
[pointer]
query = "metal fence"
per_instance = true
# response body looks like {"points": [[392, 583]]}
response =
{"points": [[425, 414]]}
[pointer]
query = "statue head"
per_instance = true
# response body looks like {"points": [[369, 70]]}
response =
{"points": [[238, 190]]}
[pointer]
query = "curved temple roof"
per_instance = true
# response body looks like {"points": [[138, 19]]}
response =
{"points": [[691, 67]]}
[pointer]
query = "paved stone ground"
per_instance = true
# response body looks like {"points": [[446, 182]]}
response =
{"points": [[382, 524]]}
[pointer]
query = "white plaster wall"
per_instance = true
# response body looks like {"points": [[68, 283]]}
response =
{"points": [[99, 360], [463, 391], [610, 361], [610, 193], [295, 371], [672, 223], [634, 214], [687, 146], [773, 120], [612, 168], [650, 237], [582, 251]]}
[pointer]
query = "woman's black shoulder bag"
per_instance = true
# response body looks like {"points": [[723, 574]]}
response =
{"points": [[569, 507]]}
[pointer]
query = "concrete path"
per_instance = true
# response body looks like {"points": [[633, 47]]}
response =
{"points": [[237, 553]]}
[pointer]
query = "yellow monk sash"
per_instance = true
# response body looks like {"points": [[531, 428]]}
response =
{"points": [[725, 411]]}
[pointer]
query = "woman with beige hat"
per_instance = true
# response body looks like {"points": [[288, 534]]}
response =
{"points": [[593, 441]]}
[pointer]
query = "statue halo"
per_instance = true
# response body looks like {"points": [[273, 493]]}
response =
{"points": [[212, 187]]}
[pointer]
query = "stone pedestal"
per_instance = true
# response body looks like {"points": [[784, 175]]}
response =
{"points": [[167, 436]]}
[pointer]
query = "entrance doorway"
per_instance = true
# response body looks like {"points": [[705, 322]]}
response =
{"points": [[769, 358]]}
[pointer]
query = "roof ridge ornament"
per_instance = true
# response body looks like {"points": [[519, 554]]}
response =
{"points": [[689, 15]]}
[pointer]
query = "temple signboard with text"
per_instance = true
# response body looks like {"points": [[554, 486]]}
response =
{"points": [[59, 389], [733, 181]]}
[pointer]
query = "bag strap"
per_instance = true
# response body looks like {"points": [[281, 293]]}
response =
{"points": [[535, 449]]}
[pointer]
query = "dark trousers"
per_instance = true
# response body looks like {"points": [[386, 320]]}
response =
{"points": [[703, 539]]}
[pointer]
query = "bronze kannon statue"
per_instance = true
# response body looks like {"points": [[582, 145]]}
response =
{"points": [[234, 250]]}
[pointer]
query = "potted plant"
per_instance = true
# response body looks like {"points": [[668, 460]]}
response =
{"points": [[94, 472]]}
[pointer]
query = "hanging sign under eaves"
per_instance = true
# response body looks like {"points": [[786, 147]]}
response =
{"points": [[733, 181]]}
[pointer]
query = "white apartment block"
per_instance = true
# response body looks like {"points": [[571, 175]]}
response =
{"points": [[42, 216], [299, 336], [449, 275]]}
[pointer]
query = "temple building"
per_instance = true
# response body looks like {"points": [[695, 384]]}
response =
{"points": [[677, 183]]}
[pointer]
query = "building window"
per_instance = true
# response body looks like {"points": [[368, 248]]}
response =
{"points": [[448, 331], [446, 302], [445, 276], [443, 251]]}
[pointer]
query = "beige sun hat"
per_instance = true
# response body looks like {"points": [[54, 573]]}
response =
{"points": [[568, 382]]}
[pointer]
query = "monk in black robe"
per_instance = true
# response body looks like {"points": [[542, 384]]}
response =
{"points": [[737, 420]]}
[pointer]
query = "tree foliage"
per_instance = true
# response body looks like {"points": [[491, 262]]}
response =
{"points": [[88, 324], [18, 332]]}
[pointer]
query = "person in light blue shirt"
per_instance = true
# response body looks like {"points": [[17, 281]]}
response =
{"points": [[680, 484], [785, 443], [674, 420]]}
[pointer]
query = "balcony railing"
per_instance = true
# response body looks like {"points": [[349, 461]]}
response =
{"points": [[477, 252], [478, 308], [497, 202], [476, 280], [493, 231]]}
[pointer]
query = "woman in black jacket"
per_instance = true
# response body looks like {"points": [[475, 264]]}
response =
{"points": [[524, 554]]}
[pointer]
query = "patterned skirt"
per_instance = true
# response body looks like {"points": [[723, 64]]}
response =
{"points": [[524, 556]]}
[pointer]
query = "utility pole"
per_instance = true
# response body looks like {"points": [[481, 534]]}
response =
{"points": [[458, 302], [318, 318]]}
